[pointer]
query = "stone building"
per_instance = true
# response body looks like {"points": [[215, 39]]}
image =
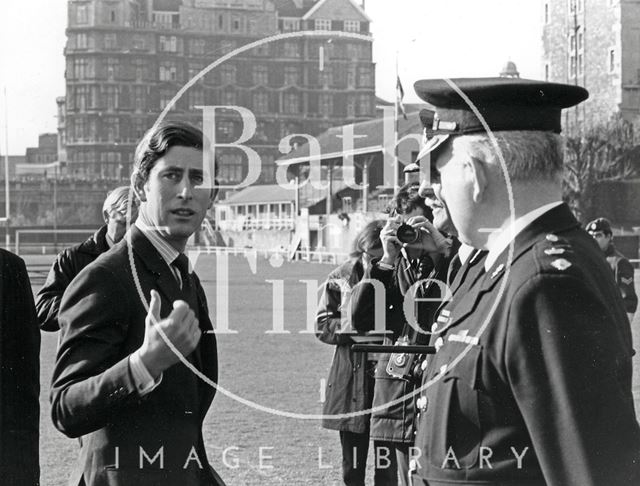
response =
{"points": [[595, 44], [127, 59]]}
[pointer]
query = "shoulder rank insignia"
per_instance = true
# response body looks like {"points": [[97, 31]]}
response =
{"points": [[497, 271], [626, 281], [560, 264], [554, 251]]}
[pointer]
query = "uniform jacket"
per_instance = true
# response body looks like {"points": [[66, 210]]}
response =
{"points": [[93, 394], [65, 267], [349, 386], [19, 375], [394, 422], [623, 273], [532, 383]]}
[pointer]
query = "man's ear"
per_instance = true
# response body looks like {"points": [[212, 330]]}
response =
{"points": [[479, 178], [138, 186]]}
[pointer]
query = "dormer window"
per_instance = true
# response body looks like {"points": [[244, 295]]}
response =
{"points": [[322, 24]]}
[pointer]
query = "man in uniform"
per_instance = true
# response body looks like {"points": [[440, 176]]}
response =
{"points": [[600, 229], [530, 384]]}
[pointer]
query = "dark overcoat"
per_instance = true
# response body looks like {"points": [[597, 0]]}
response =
{"points": [[531, 385], [93, 395], [19, 375]]}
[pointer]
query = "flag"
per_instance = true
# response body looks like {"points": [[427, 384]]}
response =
{"points": [[400, 96]]}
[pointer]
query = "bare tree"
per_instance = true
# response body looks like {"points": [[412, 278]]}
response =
{"points": [[605, 152]]}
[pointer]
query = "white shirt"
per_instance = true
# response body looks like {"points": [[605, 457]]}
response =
{"points": [[499, 240]]}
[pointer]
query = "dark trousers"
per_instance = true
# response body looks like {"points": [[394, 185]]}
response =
{"points": [[402, 458], [355, 448]]}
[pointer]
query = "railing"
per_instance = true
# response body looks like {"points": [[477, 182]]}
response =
{"points": [[331, 257], [251, 223]]}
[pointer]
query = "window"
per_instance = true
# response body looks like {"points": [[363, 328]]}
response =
{"points": [[351, 77], [326, 77], [139, 127], [546, 72], [231, 168], [110, 41], [229, 98], [139, 98], [168, 43], [364, 105], [365, 78], [326, 105], [351, 107], [197, 47], [260, 75], [163, 19], [112, 68], [347, 204], [262, 50], [322, 24], [261, 102], [82, 14], [612, 60], [112, 128], [572, 6], [291, 76], [165, 98], [138, 42], [220, 22], [572, 66], [546, 13], [228, 75], [291, 103], [81, 41], [580, 67], [235, 24], [80, 68], [140, 67], [111, 95], [194, 69], [289, 25], [352, 26], [195, 98], [168, 71], [291, 49], [226, 129], [82, 98], [112, 17]]}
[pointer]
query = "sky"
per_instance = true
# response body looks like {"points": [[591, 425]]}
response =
{"points": [[427, 39]]}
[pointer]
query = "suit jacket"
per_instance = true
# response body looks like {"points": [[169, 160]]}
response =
{"points": [[128, 439], [19, 375], [532, 382], [64, 269]]}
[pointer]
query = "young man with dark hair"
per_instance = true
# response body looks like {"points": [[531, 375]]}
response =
{"points": [[136, 401]]}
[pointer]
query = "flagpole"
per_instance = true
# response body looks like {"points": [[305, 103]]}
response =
{"points": [[395, 136]]}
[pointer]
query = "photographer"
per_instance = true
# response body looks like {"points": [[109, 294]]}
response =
{"points": [[413, 259]]}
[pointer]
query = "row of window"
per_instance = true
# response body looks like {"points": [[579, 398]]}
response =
{"points": [[217, 47], [573, 7], [112, 69], [576, 64]]}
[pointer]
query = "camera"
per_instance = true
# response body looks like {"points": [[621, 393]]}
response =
{"points": [[407, 234], [400, 364]]}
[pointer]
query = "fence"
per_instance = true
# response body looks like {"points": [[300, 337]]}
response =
{"points": [[331, 257]]}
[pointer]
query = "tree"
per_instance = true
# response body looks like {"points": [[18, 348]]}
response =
{"points": [[605, 152]]}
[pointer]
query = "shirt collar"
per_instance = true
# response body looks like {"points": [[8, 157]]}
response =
{"points": [[167, 252], [464, 252], [500, 239]]}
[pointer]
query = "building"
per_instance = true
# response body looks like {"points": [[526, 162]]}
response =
{"points": [[46, 152], [594, 44], [127, 59]]}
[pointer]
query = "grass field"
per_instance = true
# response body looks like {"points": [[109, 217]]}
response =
{"points": [[280, 371]]}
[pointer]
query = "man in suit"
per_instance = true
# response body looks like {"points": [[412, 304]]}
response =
{"points": [[19, 375], [71, 260], [137, 358], [531, 381]]}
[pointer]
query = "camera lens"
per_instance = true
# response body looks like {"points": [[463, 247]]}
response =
{"points": [[406, 233]]}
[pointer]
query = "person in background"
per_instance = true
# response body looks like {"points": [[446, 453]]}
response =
{"points": [[19, 375], [622, 269], [71, 260], [350, 383]]}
